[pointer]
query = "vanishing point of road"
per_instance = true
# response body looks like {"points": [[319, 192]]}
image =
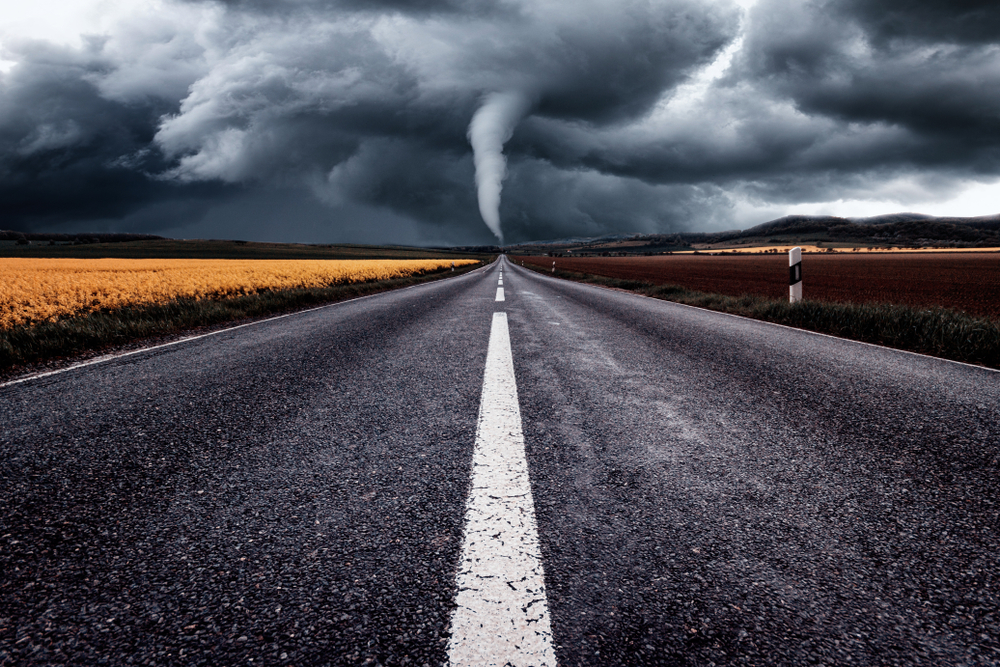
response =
{"points": [[515, 470]]}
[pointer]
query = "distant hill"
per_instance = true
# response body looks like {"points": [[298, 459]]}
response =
{"points": [[980, 222], [896, 229], [90, 237], [908, 228]]}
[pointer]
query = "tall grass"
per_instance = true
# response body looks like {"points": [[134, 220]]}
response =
{"points": [[938, 332], [75, 335]]}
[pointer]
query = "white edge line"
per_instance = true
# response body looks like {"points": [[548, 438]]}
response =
{"points": [[112, 357], [773, 324]]}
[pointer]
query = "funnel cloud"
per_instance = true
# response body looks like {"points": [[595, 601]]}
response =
{"points": [[492, 125]]}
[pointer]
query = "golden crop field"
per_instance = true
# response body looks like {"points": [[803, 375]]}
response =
{"points": [[38, 290]]}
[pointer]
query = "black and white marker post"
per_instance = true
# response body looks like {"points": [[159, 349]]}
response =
{"points": [[795, 275], [553, 267]]}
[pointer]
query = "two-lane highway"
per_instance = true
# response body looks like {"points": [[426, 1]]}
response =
{"points": [[703, 489]]}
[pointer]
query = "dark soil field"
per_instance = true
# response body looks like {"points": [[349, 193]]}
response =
{"points": [[967, 282]]}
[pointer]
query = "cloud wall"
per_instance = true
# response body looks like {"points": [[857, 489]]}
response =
{"points": [[394, 120]]}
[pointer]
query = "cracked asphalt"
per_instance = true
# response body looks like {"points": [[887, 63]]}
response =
{"points": [[708, 489]]}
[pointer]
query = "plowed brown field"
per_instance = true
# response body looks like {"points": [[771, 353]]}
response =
{"points": [[967, 282]]}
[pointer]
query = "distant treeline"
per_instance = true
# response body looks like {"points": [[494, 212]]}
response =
{"points": [[908, 229], [475, 249], [90, 237]]}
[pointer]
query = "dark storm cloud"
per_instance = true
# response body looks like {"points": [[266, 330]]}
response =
{"points": [[382, 173], [375, 6], [843, 64], [340, 111], [66, 151], [819, 104], [560, 203], [953, 21]]}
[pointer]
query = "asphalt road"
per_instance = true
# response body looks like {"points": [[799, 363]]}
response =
{"points": [[707, 489]]}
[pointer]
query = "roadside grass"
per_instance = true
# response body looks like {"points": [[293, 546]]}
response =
{"points": [[72, 336], [938, 332]]}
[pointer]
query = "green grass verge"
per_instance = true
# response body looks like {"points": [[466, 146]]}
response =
{"points": [[938, 332], [96, 331]]}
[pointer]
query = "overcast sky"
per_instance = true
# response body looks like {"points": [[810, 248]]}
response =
{"points": [[352, 120]]}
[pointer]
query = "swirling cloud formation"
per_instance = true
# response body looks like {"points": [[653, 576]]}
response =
{"points": [[403, 120]]}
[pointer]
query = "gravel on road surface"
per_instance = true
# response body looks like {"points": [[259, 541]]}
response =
{"points": [[707, 489]]}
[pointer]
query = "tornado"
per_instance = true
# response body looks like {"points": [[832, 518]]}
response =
{"points": [[492, 125]]}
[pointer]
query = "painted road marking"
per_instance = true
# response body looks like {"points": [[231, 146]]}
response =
{"points": [[501, 282], [501, 615], [499, 294]]}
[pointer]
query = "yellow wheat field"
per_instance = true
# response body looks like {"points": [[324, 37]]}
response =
{"points": [[39, 290]]}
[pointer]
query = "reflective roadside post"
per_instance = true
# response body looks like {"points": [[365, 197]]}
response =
{"points": [[453, 266], [553, 266], [794, 275]]}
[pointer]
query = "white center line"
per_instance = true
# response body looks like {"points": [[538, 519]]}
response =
{"points": [[499, 294], [501, 615]]}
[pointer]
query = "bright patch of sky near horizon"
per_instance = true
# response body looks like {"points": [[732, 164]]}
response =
{"points": [[975, 200]]}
